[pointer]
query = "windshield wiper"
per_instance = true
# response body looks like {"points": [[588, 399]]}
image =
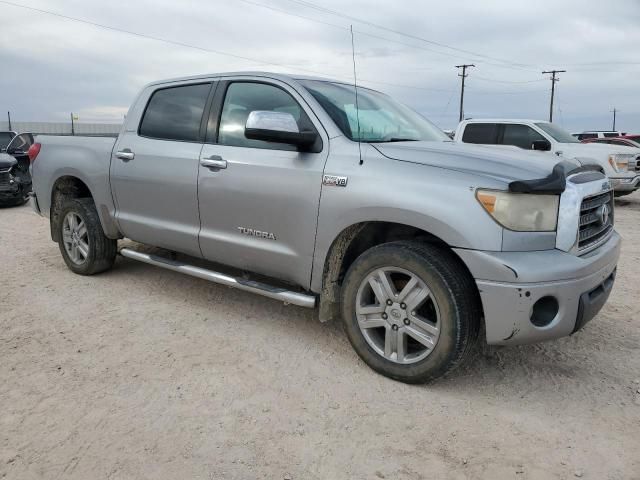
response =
{"points": [[399, 139]]}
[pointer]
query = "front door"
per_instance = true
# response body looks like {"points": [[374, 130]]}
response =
{"points": [[259, 200], [154, 170]]}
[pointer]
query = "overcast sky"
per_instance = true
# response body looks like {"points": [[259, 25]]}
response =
{"points": [[53, 66]]}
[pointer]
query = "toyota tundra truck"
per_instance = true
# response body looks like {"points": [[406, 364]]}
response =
{"points": [[299, 190]]}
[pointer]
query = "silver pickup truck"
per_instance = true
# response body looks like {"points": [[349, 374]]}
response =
{"points": [[357, 205]]}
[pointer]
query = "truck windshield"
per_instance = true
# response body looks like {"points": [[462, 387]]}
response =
{"points": [[559, 135], [381, 118]]}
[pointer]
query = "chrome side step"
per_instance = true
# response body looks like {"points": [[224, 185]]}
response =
{"points": [[277, 293]]}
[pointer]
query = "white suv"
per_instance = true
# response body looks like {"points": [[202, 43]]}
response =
{"points": [[620, 164]]}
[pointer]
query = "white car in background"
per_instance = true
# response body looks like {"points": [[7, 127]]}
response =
{"points": [[620, 163]]}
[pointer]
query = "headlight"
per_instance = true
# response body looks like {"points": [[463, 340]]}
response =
{"points": [[521, 212], [620, 161]]}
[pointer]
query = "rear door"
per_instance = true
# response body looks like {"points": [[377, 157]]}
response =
{"points": [[259, 208], [154, 170]]}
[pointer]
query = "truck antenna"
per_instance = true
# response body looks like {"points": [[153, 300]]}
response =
{"points": [[355, 88]]}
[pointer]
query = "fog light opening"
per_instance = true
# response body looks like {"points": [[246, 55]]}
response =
{"points": [[544, 311]]}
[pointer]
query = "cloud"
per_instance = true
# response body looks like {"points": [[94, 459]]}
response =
{"points": [[54, 65]]}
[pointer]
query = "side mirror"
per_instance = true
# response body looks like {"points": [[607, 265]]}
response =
{"points": [[542, 145], [279, 127]]}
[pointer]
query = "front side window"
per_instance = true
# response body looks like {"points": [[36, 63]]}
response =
{"points": [[519, 135], [482, 133], [560, 135], [242, 98], [175, 113], [381, 118]]}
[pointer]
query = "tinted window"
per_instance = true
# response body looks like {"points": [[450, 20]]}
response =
{"points": [[520, 136], [5, 138], [242, 98], [485, 133], [175, 113], [611, 134]]}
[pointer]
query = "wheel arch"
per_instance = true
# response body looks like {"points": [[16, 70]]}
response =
{"points": [[70, 185], [354, 240]]}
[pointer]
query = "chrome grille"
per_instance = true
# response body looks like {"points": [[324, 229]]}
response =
{"points": [[596, 220]]}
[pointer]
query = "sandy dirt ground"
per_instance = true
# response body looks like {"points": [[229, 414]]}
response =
{"points": [[142, 373]]}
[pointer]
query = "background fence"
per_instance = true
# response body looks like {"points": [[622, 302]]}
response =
{"points": [[64, 128]]}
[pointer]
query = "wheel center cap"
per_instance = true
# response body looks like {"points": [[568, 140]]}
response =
{"points": [[396, 314]]}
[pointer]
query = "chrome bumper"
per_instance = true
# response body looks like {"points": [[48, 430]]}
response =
{"points": [[626, 184], [511, 284]]}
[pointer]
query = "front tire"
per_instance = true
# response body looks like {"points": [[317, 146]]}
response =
{"points": [[84, 247], [410, 310]]}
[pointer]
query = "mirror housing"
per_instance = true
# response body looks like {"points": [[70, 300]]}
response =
{"points": [[542, 145], [279, 127]]}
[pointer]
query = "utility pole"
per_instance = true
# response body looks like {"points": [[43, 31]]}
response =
{"points": [[73, 131], [553, 89], [463, 75], [614, 119], [9, 118]]}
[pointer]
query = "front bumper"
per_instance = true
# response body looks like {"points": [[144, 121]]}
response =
{"points": [[512, 283], [626, 184]]}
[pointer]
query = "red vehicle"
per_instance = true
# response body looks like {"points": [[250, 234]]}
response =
{"points": [[625, 140]]}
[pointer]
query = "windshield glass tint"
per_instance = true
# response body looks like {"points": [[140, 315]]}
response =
{"points": [[560, 135], [381, 118]]}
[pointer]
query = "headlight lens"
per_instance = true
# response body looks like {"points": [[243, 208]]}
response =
{"points": [[620, 161], [521, 212]]}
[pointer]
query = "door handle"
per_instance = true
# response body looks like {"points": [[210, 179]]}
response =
{"points": [[125, 154], [214, 161]]}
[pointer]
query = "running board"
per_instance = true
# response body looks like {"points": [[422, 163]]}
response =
{"points": [[277, 293]]}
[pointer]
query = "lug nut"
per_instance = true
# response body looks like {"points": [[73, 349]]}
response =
{"points": [[384, 316], [394, 327], [406, 321], [389, 302], [403, 306], [413, 313]]}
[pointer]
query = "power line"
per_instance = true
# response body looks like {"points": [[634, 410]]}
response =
{"points": [[208, 50], [493, 80], [553, 89], [408, 35], [463, 75]]}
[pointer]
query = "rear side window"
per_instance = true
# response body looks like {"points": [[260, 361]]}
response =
{"points": [[521, 136], [484, 133], [175, 113], [611, 134]]}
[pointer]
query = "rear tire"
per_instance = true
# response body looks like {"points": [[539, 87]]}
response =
{"points": [[84, 247], [411, 311]]}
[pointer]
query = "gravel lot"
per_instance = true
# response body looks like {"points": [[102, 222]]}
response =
{"points": [[144, 373]]}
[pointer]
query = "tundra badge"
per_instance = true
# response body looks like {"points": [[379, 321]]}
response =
{"points": [[334, 180], [257, 233]]}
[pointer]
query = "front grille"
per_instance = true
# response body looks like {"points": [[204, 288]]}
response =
{"points": [[4, 179], [596, 220]]}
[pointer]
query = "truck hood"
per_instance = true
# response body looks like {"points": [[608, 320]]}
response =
{"points": [[505, 164], [6, 161], [597, 149]]}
